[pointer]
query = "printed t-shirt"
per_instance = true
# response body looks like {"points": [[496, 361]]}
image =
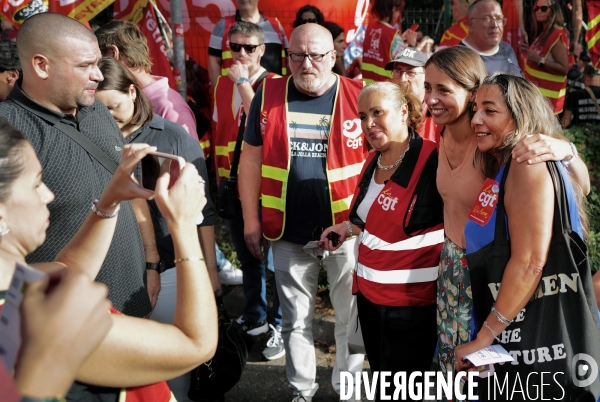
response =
{"points": [[307, 200]]}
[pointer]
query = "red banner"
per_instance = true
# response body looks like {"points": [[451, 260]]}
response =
{"points": [[129, 10], [592, 36], [201, 16], [158, 49], [17, 11], [81, 10]]}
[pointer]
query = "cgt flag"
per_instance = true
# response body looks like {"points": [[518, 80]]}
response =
{"points": [[81, 10], [17, 11], [592, 36], [129, 10], [158, 49]]}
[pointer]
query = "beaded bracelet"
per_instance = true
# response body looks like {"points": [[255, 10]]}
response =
{"points": [[188, 259], [503, 320]]}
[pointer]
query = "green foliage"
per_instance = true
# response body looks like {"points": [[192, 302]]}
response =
{"points": [[587, 140]]}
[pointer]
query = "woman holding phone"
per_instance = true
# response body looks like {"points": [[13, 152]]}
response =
{"points": [[132, 110], [136, 352]]}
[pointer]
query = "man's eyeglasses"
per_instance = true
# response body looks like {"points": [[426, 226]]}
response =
{"points": [[540, 8], [333, 236], [397, 73], [299, 57], [307, 20], [491, 20], [236, 47]]}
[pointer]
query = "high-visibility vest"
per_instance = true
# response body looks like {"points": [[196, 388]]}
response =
{"points": [[377, 52], [552, 86], [455, 34], [396, 268], [227, 60], [228, 121], [346, 152]]}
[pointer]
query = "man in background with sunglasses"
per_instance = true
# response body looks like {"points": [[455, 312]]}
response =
{"points": [[303, 153], [246, 41], [219, 55], [486, 25]]}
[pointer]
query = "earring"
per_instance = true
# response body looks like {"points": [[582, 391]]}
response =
{"points": [[133, 99], [4, 229]]}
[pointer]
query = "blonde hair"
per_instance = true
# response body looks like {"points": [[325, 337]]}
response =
{"points": [[400, 94]]}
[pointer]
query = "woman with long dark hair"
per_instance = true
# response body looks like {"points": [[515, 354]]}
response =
{"points": [[132, 110], [308, 14]]}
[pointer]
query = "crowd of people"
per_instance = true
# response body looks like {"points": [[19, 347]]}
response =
{"points": [[395, 175]]}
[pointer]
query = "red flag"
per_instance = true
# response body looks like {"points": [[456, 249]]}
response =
{"points": [[129, 10], [512, 33], [18, 11], [158, 49], [81, 10], [201, 16], [592, 36]]}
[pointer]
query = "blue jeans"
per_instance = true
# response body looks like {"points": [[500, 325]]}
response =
{"points": [[254, 274]]}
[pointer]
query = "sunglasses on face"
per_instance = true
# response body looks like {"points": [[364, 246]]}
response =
{"points": [[236, 47], [540, 8], [307, 20], [333, 236]]}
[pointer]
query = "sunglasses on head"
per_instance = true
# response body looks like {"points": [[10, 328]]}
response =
{"points": [[307, 20], [542, 8], [333, 236], [236, 47]]}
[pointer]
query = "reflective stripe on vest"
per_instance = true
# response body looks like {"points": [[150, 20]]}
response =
{"points": [[276, 153], [420, 241], [417, 275], [552, 86]]}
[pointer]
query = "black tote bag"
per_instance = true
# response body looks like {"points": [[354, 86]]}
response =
{"points": [[212, 380], [557, 331]]}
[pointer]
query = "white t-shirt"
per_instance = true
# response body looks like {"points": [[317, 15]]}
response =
{"points": [[372, 193]]}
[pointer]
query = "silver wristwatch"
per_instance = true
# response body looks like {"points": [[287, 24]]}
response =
{"points": [[241, 80]]}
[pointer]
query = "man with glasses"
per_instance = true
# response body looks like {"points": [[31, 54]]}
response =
{"points": [[486, 25], [303, 153], [408, 67], [219, 53], [246, 41]]}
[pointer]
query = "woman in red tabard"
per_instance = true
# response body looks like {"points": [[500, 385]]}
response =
{"points": [[547, 56]]}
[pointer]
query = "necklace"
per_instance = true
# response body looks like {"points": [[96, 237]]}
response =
{"points": [[393, 165]]}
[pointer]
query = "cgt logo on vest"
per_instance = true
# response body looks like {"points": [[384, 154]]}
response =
{"points": [[352, 130], [386, 200], [263, 123]]}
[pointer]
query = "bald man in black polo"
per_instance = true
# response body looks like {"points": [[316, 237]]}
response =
{"points": [[59, 59]]}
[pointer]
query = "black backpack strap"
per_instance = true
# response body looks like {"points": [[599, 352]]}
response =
{"points": [[89, 146], [240, 137]]}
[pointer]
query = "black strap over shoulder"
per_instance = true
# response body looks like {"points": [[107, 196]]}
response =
{"points": [[89, 146], [238, 144]]}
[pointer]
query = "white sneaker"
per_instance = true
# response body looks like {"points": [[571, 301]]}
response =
{"points": [[274, 349], [230, 275]]}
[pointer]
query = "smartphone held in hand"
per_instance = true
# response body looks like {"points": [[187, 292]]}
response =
{"points": [[156, 164]]}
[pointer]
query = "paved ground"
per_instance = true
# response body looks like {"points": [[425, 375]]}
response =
{"points": [[265, 381]]}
